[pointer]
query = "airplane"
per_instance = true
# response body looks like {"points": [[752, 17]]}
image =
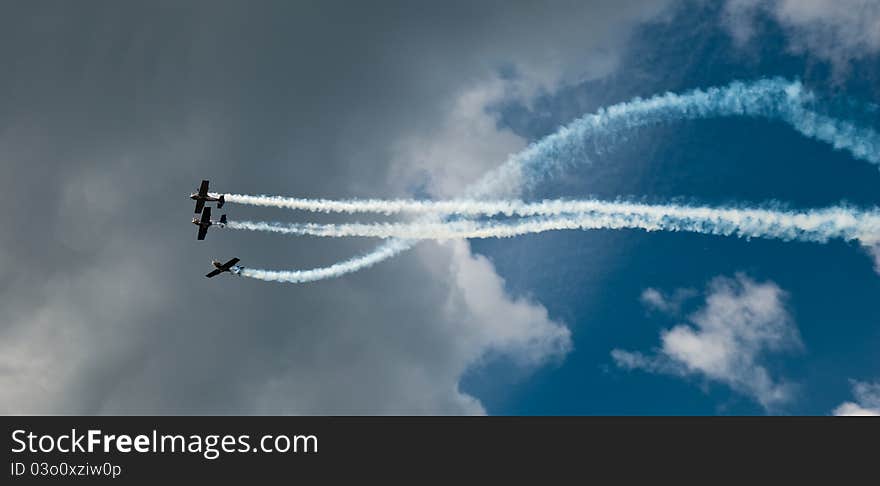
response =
{"points": [[229, 266], [206, 222], [202, 197]]}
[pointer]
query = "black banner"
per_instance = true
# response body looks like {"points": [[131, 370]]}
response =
{"points": [[135, 449]]}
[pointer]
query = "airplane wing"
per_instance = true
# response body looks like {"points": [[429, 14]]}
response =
{"points": [[206, 218], [200, 204], [203, 189], [230, 264], [223, 268]]}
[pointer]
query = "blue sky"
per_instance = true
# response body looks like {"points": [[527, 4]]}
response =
{"points": [[594, 280]]}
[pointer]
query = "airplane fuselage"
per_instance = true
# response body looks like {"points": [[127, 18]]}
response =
{"points": [[195, 197], [198, 222]]}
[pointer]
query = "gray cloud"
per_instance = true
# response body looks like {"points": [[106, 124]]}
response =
{"points": [[112, 112]]}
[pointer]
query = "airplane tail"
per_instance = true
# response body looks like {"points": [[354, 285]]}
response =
{"points": [[221, 201], [223, 219]]}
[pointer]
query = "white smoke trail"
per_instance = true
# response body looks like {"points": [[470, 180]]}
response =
{"points": [[814, 225], [475, 207], [775, 98], [301, 276]]}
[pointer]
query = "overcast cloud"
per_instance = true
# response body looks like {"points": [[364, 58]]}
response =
{"points": [[113, 111]]}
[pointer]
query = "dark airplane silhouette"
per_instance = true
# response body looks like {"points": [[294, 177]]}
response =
{"points": [[223, 267], [206, 222], [202, 197]]}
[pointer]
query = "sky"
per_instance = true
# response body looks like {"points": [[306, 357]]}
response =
{"points": [[112, 112]]}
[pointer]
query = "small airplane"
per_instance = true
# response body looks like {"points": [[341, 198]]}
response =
{"points": [[229, 266], [202, 197], [206, 222]]}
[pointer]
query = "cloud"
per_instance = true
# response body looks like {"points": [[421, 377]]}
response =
{"points": [[119, 111], [874, 253], [515, 326], [667, 304], [654, 299], [834, 30], [727, 339], [422, 356], [465, 144], [867, 402]]}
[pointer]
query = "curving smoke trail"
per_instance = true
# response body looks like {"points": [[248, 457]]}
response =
{"points": [[813, 225], [775, 99], [301, 276]]}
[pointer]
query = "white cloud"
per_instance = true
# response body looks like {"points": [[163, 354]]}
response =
{"points": [[511, 325], [874, 252], [726, 340], [668, 304], [867, 402], [654, 299], [834, 30]]}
